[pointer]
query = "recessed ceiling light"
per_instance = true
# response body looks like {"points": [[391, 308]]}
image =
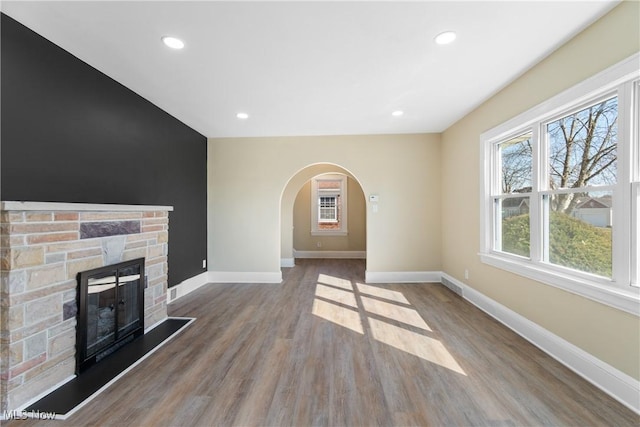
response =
{"points": [[172, 42], [242, 116], [397, 113], [446, 37]]}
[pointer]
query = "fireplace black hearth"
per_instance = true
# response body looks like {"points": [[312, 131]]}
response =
{"points": [[110, 310]]}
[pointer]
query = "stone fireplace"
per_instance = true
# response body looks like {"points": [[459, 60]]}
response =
{"points": [[44, 245]]}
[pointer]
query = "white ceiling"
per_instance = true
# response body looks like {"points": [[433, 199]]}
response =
{"points": [[311, 68]]}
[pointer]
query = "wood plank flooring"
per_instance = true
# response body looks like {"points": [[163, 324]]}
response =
{"points": [[323, 348]]}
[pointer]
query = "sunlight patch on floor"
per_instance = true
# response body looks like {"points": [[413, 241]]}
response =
{"points": [[424, 347], [339, 315], [337, 295], [382, 293], [392, 311], [335, 281]]}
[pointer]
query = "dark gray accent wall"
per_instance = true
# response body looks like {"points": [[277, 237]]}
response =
{"points": [[69, 133]]}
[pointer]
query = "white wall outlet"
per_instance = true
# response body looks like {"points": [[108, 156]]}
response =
{"points": [[319, 244], [204, 263], [466, 274], [375, 208]]}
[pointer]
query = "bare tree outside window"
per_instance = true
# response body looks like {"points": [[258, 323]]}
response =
{"points": [[582, 151], [516, 162], [516, 155]]}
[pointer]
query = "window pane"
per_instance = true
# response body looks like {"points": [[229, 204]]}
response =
{"points": [[328, 209], [515, 226], [582, 147], [515, 159], [579, 231]]}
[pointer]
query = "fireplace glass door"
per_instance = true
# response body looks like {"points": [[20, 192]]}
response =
{"points": [[128, 316], [101, 308], [111, 310]]}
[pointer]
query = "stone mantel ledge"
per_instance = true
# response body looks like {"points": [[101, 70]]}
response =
{"points": [[78, 207]]}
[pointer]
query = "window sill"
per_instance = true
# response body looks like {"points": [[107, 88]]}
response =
{"points": [[625, 300], [329, 233]]}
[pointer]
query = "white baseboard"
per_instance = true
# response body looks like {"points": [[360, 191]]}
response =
{"points": [[245, 277], [287, 262], [193, 283], [402, 276], [187, 286], [612, 381], [330, 254]]}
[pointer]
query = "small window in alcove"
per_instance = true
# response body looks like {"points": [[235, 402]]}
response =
{"points": [[329, 205]]}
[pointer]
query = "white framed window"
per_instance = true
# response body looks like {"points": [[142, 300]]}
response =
{"points": [[560, 193], [328, 208], [329, 205]]}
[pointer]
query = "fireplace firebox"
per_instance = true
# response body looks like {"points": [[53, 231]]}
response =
{"points": [[110, 310]]}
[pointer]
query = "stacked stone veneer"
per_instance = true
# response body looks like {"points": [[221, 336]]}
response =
{"points": [[42, 251]]}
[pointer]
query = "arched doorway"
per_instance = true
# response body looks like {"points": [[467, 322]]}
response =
{"points": [[302, 180]]}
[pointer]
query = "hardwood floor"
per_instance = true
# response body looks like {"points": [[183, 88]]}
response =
{"points": [[323, 348]]}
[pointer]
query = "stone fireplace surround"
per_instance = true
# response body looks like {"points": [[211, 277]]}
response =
{"points": [[43, 247]]}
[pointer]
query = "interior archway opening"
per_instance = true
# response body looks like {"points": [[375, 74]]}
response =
{"points": [[323, 215]]}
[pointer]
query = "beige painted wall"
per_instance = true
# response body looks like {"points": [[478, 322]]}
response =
{"points": [[355, 240], [250, 180], [609, 334]]}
